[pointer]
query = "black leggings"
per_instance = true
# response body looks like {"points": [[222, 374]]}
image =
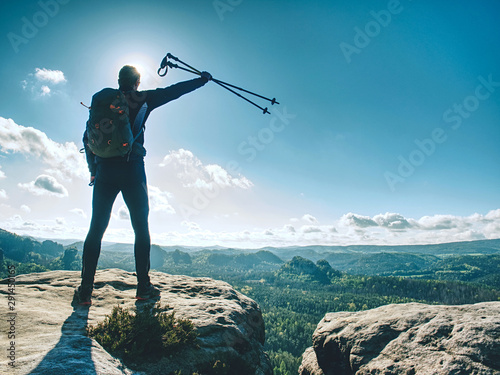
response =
{"points": [[111, 178]]}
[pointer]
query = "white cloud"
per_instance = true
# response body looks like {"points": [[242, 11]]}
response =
{"points": [[310, 218], [2, 173], [201, 190], [391, 221], [45, 90], [427, 229], [25, 208], [493, 215], [45, 185], [469, 235], [123, 213], [478, 227], [388, 220], [191, 172], [355, 220], [47, 228], [79, 212], [439, 222], [3, 194], [191, 225], [221, 177], [42, 82], [492, 230], [310, 229], [53, 76], [64, 160], [159, 200]]}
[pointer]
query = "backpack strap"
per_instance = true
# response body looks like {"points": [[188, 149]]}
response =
{"points": [[138, 122]]}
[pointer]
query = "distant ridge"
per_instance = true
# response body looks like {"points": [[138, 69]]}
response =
{"points": [[463, 247], [490, 246]]}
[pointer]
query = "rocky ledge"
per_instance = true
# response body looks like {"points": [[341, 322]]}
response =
{"points": [[50, 333], [407, 339]]}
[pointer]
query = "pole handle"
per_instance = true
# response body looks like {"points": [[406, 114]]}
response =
{"points": [[163, 65]]}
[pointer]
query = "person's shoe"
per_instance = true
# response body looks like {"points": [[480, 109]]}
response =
{"points": [[83, 296], [147, 292]]}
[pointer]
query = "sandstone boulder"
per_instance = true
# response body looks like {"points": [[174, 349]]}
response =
{"points": [[407, 339], [50, 332]]}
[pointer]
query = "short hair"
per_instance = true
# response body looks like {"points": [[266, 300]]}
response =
{"points": [[128, 76]]}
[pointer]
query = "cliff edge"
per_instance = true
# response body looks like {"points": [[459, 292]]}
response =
{"points": [[410, 339], [48, 333]]}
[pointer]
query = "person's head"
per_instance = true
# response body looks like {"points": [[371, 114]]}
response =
{"points": [[128, 78]]}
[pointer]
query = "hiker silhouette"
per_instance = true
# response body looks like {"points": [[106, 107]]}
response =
{"points": [[124, 173]]}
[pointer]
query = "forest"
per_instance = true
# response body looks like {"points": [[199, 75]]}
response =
{"points": [[296, 287]]}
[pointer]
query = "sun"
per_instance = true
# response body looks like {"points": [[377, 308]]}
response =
{"points": [[146, 67]]}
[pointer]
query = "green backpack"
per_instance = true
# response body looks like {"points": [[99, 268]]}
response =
{"points": [[109, 133]]}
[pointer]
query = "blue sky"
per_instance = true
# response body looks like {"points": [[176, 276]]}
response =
{"points": [[386, 133]]}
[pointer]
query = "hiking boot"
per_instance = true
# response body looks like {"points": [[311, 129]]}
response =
{"points": [[83, 296], [147, 292]]}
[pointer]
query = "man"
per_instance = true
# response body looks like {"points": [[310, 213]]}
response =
{"points": [[126, 174]]}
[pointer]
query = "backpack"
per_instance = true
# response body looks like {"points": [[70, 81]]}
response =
{"points": [[108, 129]]}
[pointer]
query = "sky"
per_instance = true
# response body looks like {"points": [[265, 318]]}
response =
{"points": [[386, 131]]}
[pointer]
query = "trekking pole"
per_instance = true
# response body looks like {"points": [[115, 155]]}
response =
{"points": [[273, 100], [264, 110], [169, 55], [165, 64]]}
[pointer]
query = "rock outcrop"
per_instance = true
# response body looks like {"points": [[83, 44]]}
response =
{"points": [[407, 339], [50, 333]]}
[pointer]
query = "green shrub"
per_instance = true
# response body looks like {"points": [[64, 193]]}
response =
{"points": [[148, 333]]}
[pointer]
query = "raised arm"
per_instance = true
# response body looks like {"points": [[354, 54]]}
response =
{"points": [[158, 97]]}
